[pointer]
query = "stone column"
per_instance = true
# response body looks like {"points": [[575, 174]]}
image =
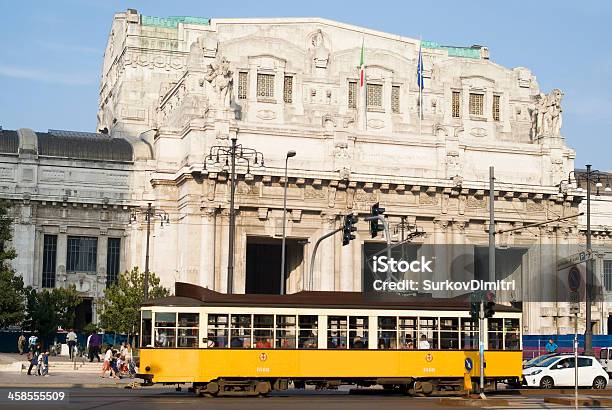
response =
{"points": [[439, 248], [23, 240], [326, 260], [38, 251], [61, 260], [102, 268], [206, 277], [222, 246]]}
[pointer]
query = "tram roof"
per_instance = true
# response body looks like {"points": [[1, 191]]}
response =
{"points": [[190, 295]]}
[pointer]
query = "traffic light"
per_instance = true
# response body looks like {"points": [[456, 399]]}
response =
{"points": [[375, 224], [349, 227], [489, 305], [475, 310]]}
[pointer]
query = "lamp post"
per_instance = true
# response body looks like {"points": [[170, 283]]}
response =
{"points": [[290, 154], [589, 177], [149, 212], [235, 154]]}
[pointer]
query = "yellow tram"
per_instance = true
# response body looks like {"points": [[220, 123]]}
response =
{"points": [[252, 344]]}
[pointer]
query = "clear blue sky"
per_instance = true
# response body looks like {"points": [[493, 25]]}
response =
{"points": [[51, 51]]}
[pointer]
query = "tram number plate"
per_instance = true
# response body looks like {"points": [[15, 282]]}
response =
{"points": [[429, 369], [263, 370]]}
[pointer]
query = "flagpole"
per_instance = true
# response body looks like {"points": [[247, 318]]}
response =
{"points": [[420, 84]]}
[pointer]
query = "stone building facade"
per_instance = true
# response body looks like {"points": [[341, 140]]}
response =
{"points": [[71, 200], [176, 87], [187, 84]]}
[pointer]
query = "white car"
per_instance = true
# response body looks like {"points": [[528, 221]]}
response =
{"points": [[560, 371]]}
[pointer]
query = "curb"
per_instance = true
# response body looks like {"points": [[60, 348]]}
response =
{"points": [[456, 402], [582, 392], [65, 386], [581, 402]]}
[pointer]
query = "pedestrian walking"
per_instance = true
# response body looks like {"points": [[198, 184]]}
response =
{"points": [[106, 365], [33, 358], [94, 341], [45, 364], [21, 343], [32, 341], [71, 340]]}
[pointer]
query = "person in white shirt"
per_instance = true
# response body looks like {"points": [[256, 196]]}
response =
{"points": [[71, 340], [106, 366], [424, 343]]}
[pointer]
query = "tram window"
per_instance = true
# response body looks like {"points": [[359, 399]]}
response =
{"points": [[336, 332], [387, 332], [217, 330], [469, 334], [285, 332], [188, 324], [358, 332], [512, 334], [146, 328], [308, 331], [240, 331], [428, 326], [495, 334], [165, 319], [165, 329], [263, 332], [407, 332], [449, 333]]}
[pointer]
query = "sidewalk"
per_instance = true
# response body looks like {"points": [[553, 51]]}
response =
{"points": [[61, 380]]}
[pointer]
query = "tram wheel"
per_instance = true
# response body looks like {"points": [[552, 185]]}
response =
{"points": [[262, 388]]}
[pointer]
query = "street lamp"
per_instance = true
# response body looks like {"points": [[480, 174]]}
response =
{"points": [[227, 158], [290, 154], [590, 177], [149, 213]]}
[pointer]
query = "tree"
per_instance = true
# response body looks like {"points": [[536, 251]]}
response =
{"points": [[12, 292], [49, 309], [122, 300]]}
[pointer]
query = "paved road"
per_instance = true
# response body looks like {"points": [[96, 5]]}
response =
{"points": [[153, 399]]}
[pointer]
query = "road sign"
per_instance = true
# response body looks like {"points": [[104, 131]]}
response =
{"points": [[573, 278], [574, 259], [468, 364]]}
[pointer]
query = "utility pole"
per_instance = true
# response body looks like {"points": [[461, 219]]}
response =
{"points": [[588, 331], [232, 221], [491, 224]]}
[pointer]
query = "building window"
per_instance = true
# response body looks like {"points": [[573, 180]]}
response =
{"points": [[374, 95], [496, 108], [49, 261], [288, 89], [265, 85], [352, 94], [112, 260], [476, 104], [456, 104], [607, 274], [243, 85], [395, 99], [82, 254]]}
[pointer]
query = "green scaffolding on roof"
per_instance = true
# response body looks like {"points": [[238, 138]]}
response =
{"points": [[172, 21], [466, 52]]}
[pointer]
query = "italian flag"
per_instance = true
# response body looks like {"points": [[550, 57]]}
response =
{"points": [[361, 68]]}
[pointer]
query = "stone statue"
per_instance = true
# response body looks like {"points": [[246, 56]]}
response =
{"points": [[321, 54], [546, 115], [220, 77]]}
